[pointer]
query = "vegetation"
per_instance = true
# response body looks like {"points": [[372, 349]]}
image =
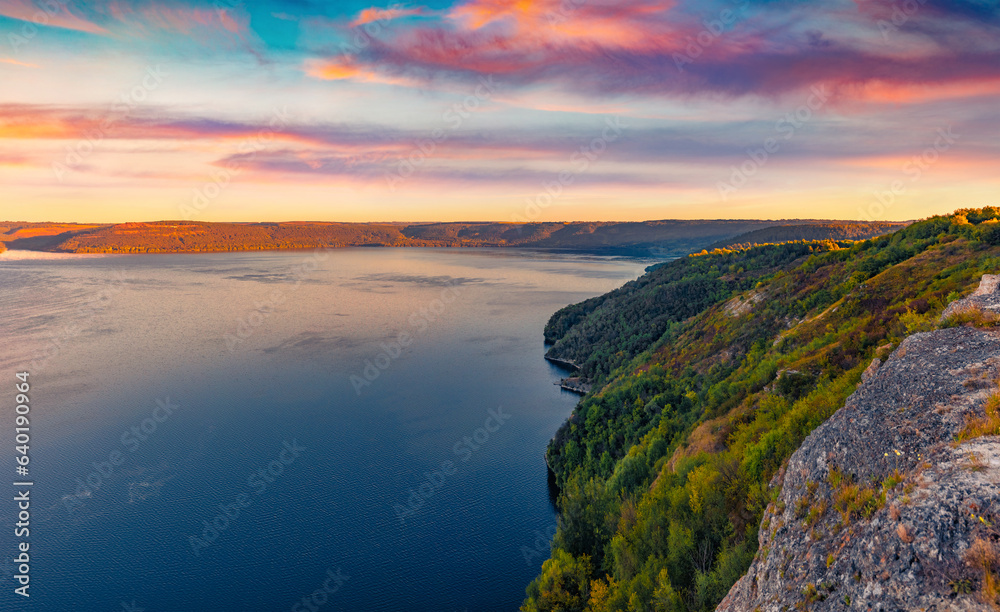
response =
{"points": [[984, 557], [986, 425], [604, 333], [818, 231], [713, 369], [660, 238]]}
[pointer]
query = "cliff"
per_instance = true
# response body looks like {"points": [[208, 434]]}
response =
{"points": [[893, 503], [711, 372]]}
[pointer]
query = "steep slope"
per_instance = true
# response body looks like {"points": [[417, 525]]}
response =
{"points": [[664, 469], [605, 332], [41, 236], [879, 509]]}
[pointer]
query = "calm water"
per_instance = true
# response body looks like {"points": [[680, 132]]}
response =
{"points": [[267, 468]]}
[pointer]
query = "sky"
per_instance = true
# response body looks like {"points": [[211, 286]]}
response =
{"points": [[500, 110]]}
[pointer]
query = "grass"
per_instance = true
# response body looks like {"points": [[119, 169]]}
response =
{"points": [[972, 317], [975, 463], [853, 501], [816, 512], [892, 480], [983, 556], [986, 425], [835, 478]]}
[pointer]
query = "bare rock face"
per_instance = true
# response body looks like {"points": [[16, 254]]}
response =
{"points": [[880, 506], [986, 298]]}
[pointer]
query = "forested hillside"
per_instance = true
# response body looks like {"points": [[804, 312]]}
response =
{"points": [[817, 231], [605, 332], [646, 238], [714, 369]]}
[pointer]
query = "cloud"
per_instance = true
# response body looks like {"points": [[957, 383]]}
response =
{"points": [[373, 14], [50, 14], [155, 16], [14, 62], [650, 154], [216, 23], [657, 49]]}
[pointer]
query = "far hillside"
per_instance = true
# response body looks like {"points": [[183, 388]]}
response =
{"points": [[656, 239]]}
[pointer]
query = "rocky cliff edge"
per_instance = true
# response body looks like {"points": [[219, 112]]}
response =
{"points": [[894, 502]]}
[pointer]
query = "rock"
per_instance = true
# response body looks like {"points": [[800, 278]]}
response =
{"points": [[742, 304], [908, 551], [576, 385], [985, 299], [871, 370]]}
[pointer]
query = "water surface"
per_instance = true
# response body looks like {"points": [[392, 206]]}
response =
{"points": [[423, 482]]}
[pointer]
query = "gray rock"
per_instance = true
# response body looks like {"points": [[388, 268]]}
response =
{"points": [[985, 299], [871, 370], [906, 552]]}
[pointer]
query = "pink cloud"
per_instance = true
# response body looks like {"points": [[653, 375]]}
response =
{"points": [[640, 47], [54, 14]]}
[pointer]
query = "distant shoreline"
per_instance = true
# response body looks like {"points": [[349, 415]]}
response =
{"points": [[653, 239]]}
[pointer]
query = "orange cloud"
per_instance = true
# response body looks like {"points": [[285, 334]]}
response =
{"points": [[378, 14], [29, 126], [342, 68], [914, 93], [7, 60], [333, 69], [626, 25]]}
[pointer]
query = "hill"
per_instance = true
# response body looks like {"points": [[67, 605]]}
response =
{"points": [[650, 239], [709, 372], [38, 236], [817, 231], [898, 491]]}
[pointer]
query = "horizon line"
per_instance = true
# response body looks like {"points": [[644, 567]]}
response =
{"points": [[565, 222]]}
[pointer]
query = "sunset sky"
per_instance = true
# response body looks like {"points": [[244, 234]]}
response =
{"points": [[272, 110]]}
